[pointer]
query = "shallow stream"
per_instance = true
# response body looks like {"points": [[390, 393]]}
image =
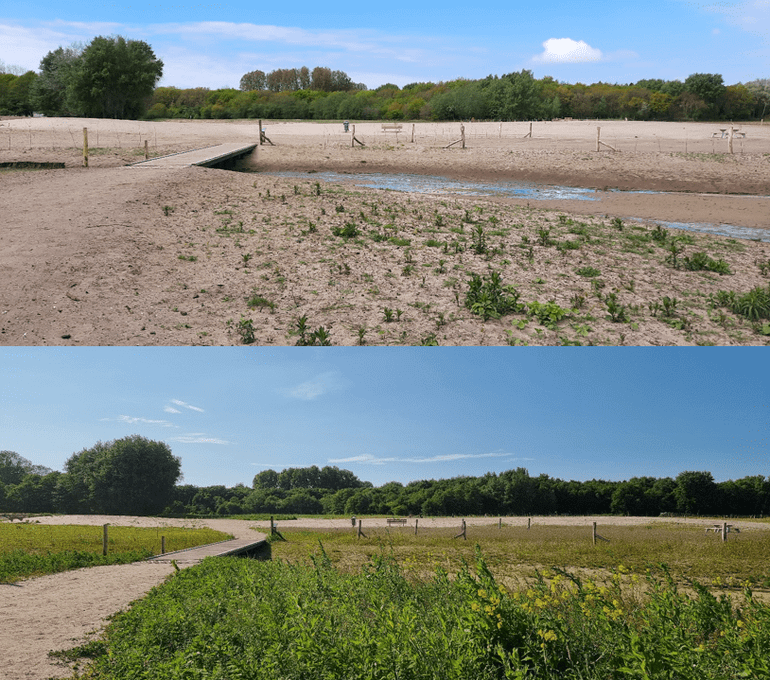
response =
{"points": [[433, 184]]}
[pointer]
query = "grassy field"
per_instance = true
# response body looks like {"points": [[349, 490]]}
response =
{"points": [[34, 549], [229, 618], [515, 553]]}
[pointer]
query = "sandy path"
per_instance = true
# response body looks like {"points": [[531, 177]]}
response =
{"points": [[61, 610]]}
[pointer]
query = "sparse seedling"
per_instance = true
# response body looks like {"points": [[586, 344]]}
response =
{"points": [[245, 329], [617, 311]]}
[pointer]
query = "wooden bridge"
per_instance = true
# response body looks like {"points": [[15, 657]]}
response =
{"points": [[237, 547], [209, 157]]}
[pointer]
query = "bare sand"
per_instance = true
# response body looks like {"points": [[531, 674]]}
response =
{"points": [[61, 611], [111, 255]]}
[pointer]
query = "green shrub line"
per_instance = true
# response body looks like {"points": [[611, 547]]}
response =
{"points": [[231, 618]]}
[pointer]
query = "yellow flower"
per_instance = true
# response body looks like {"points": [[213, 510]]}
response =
{"points": [[483, 594], [547, 635], [623, 569], [475, 606], [740, 623]]}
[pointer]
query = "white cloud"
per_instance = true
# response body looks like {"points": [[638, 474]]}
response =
{"points": [[752, 16], [315, 387], [146, 421], [198, 438], [186, 405], [567, 51], [171, 409], [368, 459]]}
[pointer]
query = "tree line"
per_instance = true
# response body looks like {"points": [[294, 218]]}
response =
{"points": [[514, 96], [116, 78], [138, 476]]}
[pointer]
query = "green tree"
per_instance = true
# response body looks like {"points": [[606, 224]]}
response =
{"points": [[51, 92], [696, 493], [253, 80], [129, 476], [115, 77], [14, 468], [710, 88]]}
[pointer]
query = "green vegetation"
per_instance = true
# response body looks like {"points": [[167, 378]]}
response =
{"points": [[332, 491], [29, 549], [109, 78], [516, 552], [296, 93], [229, 618]]}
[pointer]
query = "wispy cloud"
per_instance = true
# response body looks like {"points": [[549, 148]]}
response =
{"points": [[183, 404], [315, 387], [198, 438], [752, 16], [145, 421], [171, 409], [368, 459]]}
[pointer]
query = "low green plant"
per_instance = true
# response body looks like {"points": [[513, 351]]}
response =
{"points": [[245, 329], [547, 313], [348, 231], [258, 301], [588, 272], [618, 312], [489, 298], [310, 338], [702, 262]]}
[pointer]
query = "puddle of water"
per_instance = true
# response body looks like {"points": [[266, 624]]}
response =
{"points": [[432, 184]]}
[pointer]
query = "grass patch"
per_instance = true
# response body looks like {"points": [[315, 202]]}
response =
{"points": [[35, 549]]}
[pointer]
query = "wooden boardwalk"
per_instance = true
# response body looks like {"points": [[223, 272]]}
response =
{"points": [[209, 156], [252, 547]]}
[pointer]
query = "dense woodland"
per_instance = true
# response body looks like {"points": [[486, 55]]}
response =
{"points": [[138, 476], [115, 78]]}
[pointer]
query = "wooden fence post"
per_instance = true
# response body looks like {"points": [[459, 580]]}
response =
{"points": [[730, 143], [462, 134], [85, 155], [415, 526], [162, 545], [724, 531], [360, 532], [412, 133], [598, 142], [260, 132], [529, 523], [462, 532], [594, 534], [500, 523], [146, 150], [105, 538]]}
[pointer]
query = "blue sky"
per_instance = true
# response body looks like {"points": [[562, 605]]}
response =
{"points": [[398, 413], [213, 45]]}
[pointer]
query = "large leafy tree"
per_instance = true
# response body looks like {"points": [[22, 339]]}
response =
{"points": [[52, 90], [115, 77], [127, 476], [14, 468]]}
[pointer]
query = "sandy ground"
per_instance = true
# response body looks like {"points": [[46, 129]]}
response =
{"points": [[111, 255], [61, 611]]}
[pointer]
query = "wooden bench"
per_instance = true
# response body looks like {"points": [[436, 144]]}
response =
{"points": [[391, 127], [396, 520]]}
